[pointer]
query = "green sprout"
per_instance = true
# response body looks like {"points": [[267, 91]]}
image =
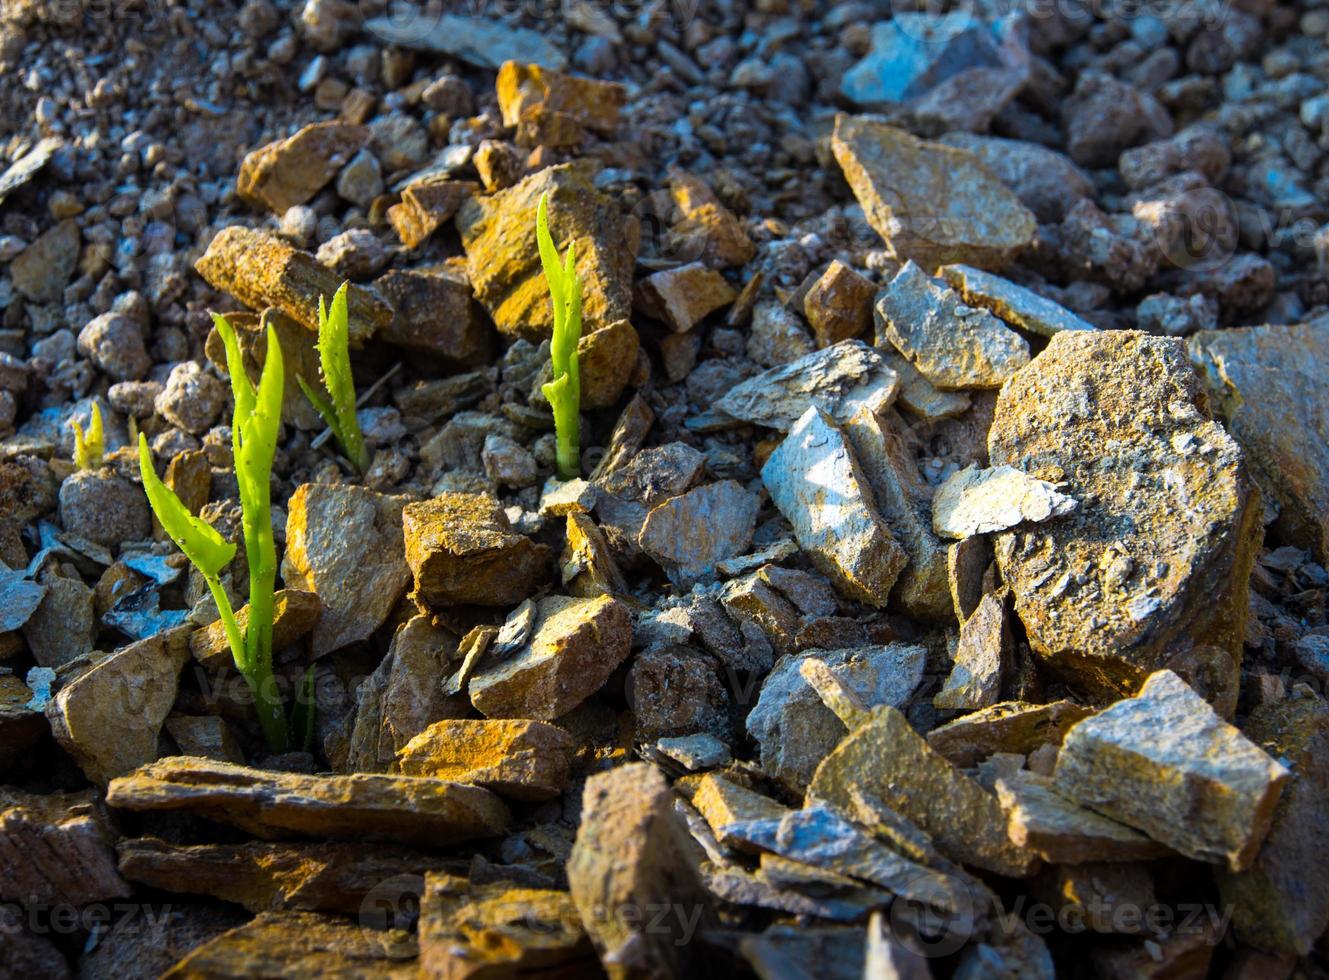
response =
{"points": [[564, 392], [255, 427], [88, 450], [334, 354]]}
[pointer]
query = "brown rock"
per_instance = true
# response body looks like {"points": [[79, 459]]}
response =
{"points": [[498, 163], [273, 805], [403, 696], [587, 565], [344, 544], [1011, 726], [498, 233], [1063, 832], [294, 614], [889, 760], [55, 848], [154, 938], [674, 691], [707, 229], [1155, 559], [1165, 763], [260, 270], [520, 760], [607, 358], [593, 104], [436, 314], [299, 357], [1105, 898], [20, 726], [300, 946], [495, 930], [574, 646], [633, 852], [682, 297], [839, 305], [324, 876], [981, 660], [929, 202], [109, 719], [426, 206], [291, 171], [62, 627], [41, 271], [462, 550], [189, 474], [204, 735]]}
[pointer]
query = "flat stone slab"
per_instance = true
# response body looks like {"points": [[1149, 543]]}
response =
{"points": [[1155, 560], [1018, 306], [951, 344], [1009, 726], [1259, 379], [975, 501], [273, 805], [929, 202], [817, 484], [1165, 763]]}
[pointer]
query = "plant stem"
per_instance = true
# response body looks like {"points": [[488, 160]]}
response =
{"points": [[567, 427]]}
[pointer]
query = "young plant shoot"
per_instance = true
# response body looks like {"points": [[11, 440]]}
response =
{"points": [[88, 450], [255, 427], [564, 392], [334, 355]]}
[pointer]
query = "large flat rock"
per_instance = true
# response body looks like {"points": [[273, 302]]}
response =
{"points": [[1153, 563], [274, 805]]}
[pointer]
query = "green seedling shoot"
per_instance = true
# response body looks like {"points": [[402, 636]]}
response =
{"points": [[564, 392], [88, 450], [254, 431], [334, 355]]}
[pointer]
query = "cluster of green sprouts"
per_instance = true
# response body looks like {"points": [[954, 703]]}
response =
{"points": [[334, 355], [564, 392], [89, 448], [254, 431]]}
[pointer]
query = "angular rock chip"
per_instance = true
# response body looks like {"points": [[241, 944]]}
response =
{"points": [[975, 501], [689, 533], [574, 647], [500, 929], [839, 305], [982, 658], [55, 848], [707, 229], [724, 803], [42, 270], [273, 805], [109, 719], [1155, 560], [682, 297], [344, 544], [607, 358], [435, 314], [1047, 182], [594, 104], [1281, 903], [1011, 726], [205, 735], [888, 759], [462, 550], [842, 380], [919, 395], [403, 696], [291, 171], [951, 344], [929, 202], [261, 270], [294, 614], [817, 484], [633, 852], [19, 598], [1063, 832], [426, 205], [517, 759], [794, 730], [28, 166], [1018, 306], [1259, 379], [481, 41], [505, 269], [321, 876], [1165, 763], [301, 946], [63, 626]]}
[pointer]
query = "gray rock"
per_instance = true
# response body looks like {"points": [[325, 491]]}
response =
{"points": [[62, 627], [1104, 116], [951, 344], [690, 533], [1046, 182], [354, 254], [361, 180], [115, 344], [817, 484], [479, 41], [192, 398], [777, 337], [104, 508], [920, 396], [841, 380], [677, 691], [1165, 763], [982, 658], [795, 731], [19, 598], [1014, 304], [975, 501]]}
